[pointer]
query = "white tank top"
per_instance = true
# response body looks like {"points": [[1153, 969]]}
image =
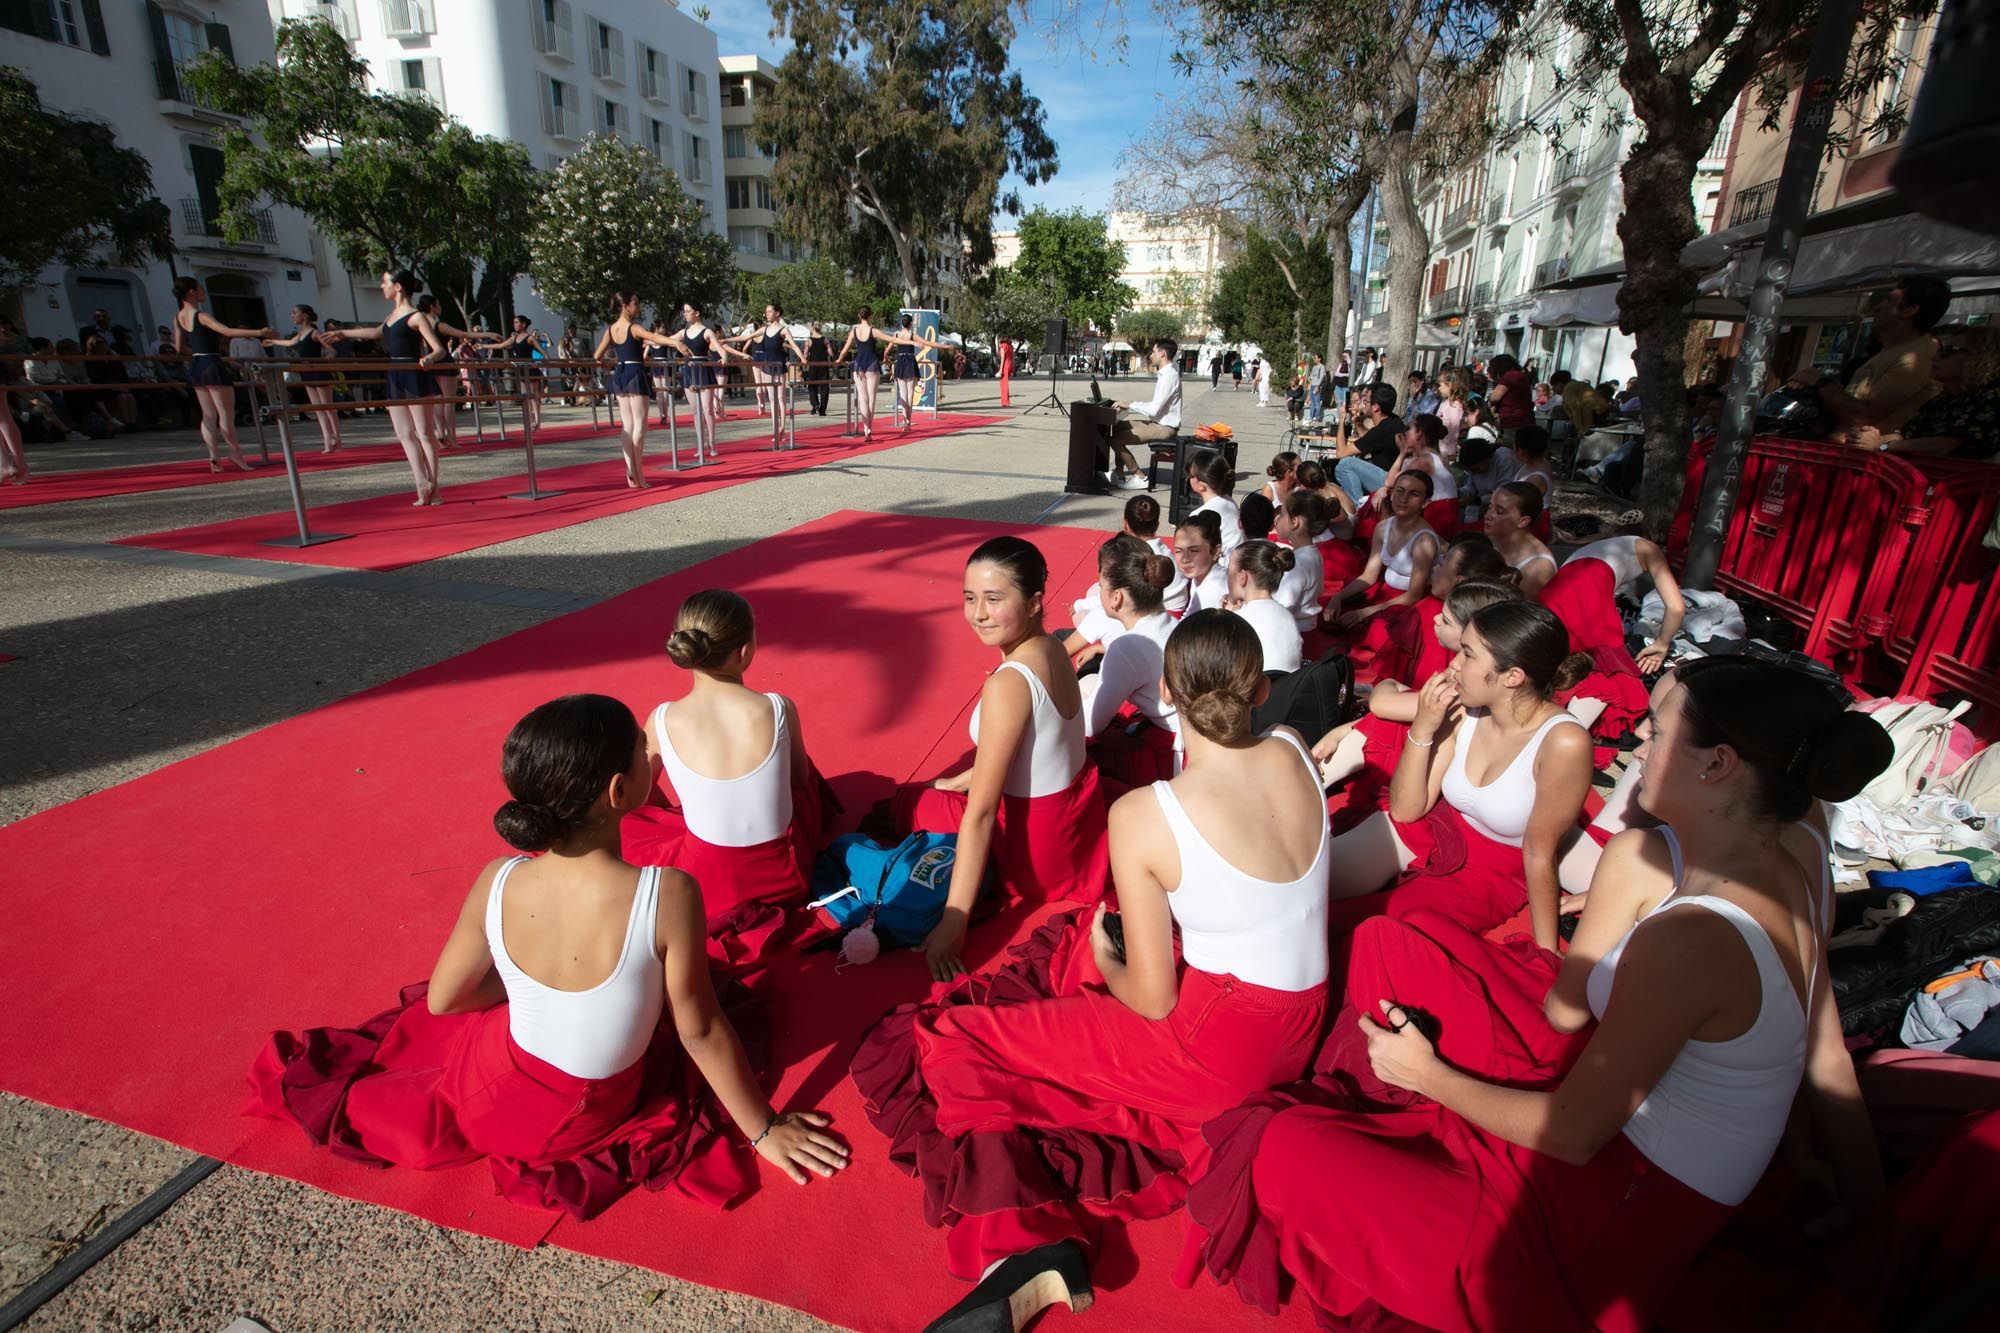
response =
{"points": [[1622, 554], [1502, 807], [1051, 754], [1232, 523], [734, 812], [1304, 587], [1234, 924], [1548, 482], [1444, 486], [1277, 632], [1522, 566], [1207, 595], [1398, 564], [1715, 1117], [591, 1033]]}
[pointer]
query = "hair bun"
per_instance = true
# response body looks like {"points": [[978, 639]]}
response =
{"points": [[1285, 559], [689, 648], [1220, 715], [1847, 756], [1159, 571], [527, 826]]}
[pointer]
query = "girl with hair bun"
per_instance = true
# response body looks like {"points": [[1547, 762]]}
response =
{"points": [[704, 351], [1510, 521], [1210, 478], [861, 339], [751, 807], [1303, 591], [203, 339], [406, 334], [1095, 627], [1280, 477], [538, 1042], [1256, 571], [1034, 1120], [1489, 784], [1030, 802], [630, 384], [1697, 986], [1199, 555], [1401, 555], [1131, 579]]}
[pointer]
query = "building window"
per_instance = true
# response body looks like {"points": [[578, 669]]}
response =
{"points": [[656, 138], [607, 52], [735, 142], [651, 67], [694, 93], [739, 193], [611, 117], [697, 160], [560, 110], [764, 196], [78, 23]]}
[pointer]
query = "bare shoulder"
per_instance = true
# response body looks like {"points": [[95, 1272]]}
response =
{"points": [[1567, 746], [1137, 814]]}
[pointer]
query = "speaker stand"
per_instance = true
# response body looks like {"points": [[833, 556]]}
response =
{"points": [[1050, 399]]}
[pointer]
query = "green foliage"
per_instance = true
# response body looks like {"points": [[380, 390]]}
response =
{"points": [[70, 194], [612, 218], [391, 180], [1254, 297], [898, 126], [1018, 306], [810, 289], [1140, 327], [1073, 252]]}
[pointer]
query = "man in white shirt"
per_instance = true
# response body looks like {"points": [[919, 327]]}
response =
{"points": [[1162, 417]]}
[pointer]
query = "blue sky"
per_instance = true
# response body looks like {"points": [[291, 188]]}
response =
{"points": [[1096, 101]]}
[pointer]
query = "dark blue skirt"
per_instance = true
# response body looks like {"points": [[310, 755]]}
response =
{"points": [[631, 377], [208, 369], [409, 384]]}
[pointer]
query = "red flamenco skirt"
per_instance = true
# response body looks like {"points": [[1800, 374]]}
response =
{"points": [[1445, 516], [1343, 561], [412, 1088], [1044, 847], [1459, 875], [1396, 644], [1582, 596], [1035, 1106], [744, 890], [1129, 757]]}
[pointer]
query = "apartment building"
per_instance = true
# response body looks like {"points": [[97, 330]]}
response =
{"points": [[545, 74], [1172, 263], [746, 168], [120, 63]]}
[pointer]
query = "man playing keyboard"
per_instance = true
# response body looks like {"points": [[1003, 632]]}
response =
{"points": [[1162, 417]]}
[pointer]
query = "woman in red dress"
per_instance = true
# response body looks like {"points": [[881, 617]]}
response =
{"points": [[1030, 803], [1506, 1193], [1401, 555], [538, 1042], [1584, 595], [1490, 782], [752, 808], [1006, 372], [1072, 1086]]}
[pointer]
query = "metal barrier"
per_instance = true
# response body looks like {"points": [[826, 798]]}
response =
{"points": [[1950, 615]]}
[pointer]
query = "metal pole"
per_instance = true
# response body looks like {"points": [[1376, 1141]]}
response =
{"points": [[847, 431], [257, 412], [534, 491], [791, 414], [1832, 36], [305, 537], [673, 416]]}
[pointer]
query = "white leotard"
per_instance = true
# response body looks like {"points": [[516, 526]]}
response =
{"points": [[1234, 924], [1092, 622], [1522, 567], [1276, 631], [1304, 587], [1051, 754], [1622, 554], [1398, 562], [1444, 486], [1232, 523], [1207, 594], [1501, 808], [734, 812], [1131, 669], [591, 1033], [1715, 1117]]}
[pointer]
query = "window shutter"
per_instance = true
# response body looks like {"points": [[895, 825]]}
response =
{"points": [[218, 40], [163, 54], [18, 15], [93, 22], [208, 164]]}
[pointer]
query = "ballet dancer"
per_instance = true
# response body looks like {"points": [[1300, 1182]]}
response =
{"points": [[1511, 516], [526, 343], [444, 412], [907, 341], [767, 345], [319, 390], [406, 336], [664, 375], [704, 352], [539, 1042], [201, 338], [631, 384], [867, 369]]}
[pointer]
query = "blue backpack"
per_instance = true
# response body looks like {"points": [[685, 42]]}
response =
{"points": [[899, 890]]}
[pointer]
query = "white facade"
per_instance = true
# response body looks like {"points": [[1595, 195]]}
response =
{"points": [[1541, 208], [116, 63], [543, 73], [1172, 264], [746, 169]]}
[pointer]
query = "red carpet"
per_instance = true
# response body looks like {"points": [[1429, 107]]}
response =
{"points": [[192, 469], [388, 532], [163, 926]]}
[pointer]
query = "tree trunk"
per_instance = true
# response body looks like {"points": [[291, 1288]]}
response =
{"points": [[1340, 247], [1653, 302], [1409, 249]]}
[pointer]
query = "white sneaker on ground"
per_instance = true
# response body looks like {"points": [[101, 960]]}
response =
{"points": [[1132, 481]]}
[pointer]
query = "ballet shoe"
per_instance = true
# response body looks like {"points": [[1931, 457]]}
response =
{"points": [[435, 499], [214, 466], [1019, 1288], [241, 465]]}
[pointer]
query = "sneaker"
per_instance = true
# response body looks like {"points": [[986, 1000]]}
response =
{"points": [[1132, 481]]}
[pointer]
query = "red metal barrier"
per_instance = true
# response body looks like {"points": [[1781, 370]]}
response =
{"points": [[1947, 613], [1819, 532]]}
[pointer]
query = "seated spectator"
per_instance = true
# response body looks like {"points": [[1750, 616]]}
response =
{"points": [[118, 405], [1095, 627], [1886, 390], [1488, 467], [1131, 751], [1256, 571], [50, 405], [1961, 421], [1419, 448], [1363, 463], [1198, 552]]}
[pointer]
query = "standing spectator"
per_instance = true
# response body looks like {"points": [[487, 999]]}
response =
{"points": [[819, 370], [1316, 389], [1342, 374], [1454, 390], [1006, 369], [1511, 395], [1236, 372], [958, 364], [1263, 383], [1886, 390], [1215, 370], [1418, 393], [100, 326], [1370, 369], [1363, 464]]}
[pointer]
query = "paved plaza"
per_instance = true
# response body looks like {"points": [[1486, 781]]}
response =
{"points": [[129, 659]]}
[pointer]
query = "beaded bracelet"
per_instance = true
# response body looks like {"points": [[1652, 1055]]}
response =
{"points": [[776, 1120], [1421, 745]]}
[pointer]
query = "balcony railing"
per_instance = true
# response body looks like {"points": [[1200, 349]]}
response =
{"points": [[1460, 215], [555, 37], [607, 56], [407, 18], [1571, 168], [650, 84], [694, 103], [1757, 202], [1551, 270], [697, 170], [1482, 294], [197, 221], [339, 13], [1496, 210], [1450, 301]]}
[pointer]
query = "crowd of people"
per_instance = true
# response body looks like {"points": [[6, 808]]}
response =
{"points": [[1396, 962]]}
